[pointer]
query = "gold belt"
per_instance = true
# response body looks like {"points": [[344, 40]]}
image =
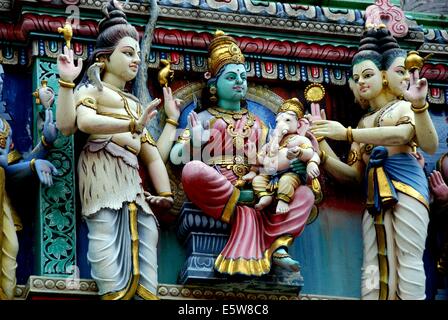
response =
{"points": [[238, 164]]}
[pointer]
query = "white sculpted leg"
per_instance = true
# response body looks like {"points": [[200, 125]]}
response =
{"points": [[110, 249], [411, 224], [370, 270], [148, 235]]}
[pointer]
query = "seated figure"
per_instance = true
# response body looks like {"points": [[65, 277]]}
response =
{"points": [[273, 161]]}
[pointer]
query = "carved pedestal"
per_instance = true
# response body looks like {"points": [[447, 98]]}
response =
{"points": [[204, 238]]}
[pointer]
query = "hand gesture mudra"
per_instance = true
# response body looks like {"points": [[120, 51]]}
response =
{"points": [[417, 90], [148, 113], [66, 66], [171, 105]]}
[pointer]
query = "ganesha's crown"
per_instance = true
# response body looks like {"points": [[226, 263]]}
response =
{"points": [[293, 105], [223, 50]]}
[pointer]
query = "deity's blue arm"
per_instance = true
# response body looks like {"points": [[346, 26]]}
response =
{"points": [[19, 170], [39, 152]]}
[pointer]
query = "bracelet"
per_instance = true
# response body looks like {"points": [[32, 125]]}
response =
{"points": [[349, 135], [320, 139], [323, 157], [66, 84], [33, 165], [132, 126], [165, 194], [420, 110], [45, 143], [314, 161], [173, 122]]}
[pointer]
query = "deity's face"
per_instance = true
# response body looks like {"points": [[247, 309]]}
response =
{"points": [[125, 59], [398, 77], [286, 123], [368, 79], [232, 83]]}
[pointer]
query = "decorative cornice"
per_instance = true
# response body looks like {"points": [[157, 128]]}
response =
{"points": [[178, 292], [43, 286], [62, 286]]}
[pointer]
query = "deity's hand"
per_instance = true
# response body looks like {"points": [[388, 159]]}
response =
{"points": [[66, 66], [329, 129], [438, 186], [294, 153], [161, 202], [45, 171], [312, 169], [49, 131], [196, 129], [417, 91], [147, 115], [249, 177], [171, 105], [316, 113], [297, 166]]}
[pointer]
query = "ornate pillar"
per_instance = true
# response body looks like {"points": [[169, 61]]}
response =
{"points": [[55, 251]]}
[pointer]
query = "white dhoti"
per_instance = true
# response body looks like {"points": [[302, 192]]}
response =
{"points": [[123, 253], [406, 228], [123, 231]]}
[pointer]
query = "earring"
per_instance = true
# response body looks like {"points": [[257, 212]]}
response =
{"points": [[385, 83]]}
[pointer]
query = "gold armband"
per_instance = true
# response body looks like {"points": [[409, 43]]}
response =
{"points": [[306, 146], [349, 135], [320, 139], [420, 110], [147, 138], [45, 143], [65, 84], [405, 120], [323, 157], [88, 102], [165, 194], [14, 156], [33, 165], [172, 122], [352, 157], [184, 137]]}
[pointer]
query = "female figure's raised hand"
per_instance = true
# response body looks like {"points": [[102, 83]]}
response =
{"points": [[417, 91]]}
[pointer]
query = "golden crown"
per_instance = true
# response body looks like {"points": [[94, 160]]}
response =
{"points": [[293, 105], [223, 50]]}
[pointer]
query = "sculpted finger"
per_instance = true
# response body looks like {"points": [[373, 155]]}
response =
{"points": [[79, 64], [154, 103], [438, 177], [323, 115], [152, 115]]}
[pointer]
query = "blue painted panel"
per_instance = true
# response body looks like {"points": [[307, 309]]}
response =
{"points": [[18, 106]]}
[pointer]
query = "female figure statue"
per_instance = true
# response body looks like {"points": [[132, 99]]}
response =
{"points": [[225, 135], [123, 231], [396, 220]]}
